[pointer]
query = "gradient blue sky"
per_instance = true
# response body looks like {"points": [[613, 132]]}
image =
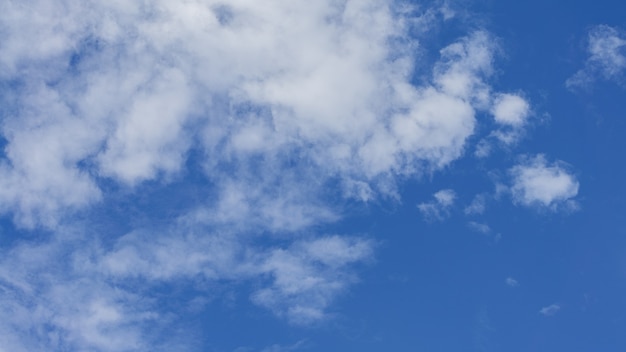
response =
{"points": [[332, 175]]}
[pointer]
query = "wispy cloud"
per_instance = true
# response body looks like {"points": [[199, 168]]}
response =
{"points": [[93, 298], [308, 275], [478, 227], [550, 310], [477, 206], [439, 208], [300, 345], [606, 58], [511, 282], [56, 299]]}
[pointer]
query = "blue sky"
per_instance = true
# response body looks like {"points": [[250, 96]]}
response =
{"points": [[273, 176]]}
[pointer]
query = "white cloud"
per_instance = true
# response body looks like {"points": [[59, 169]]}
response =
{"points": [[439, 208], [539, 183], [606, 58], [511, 110], [302, 344], [511, 282], [41, 177], [308, 275], [55, 301], [550, 310], [149, 136], [303, 279], [89, 297], [276, 100], [477, 206], [464, 64], [512, 113], [258, 202], [478, 227], [132, 92], [483, 148]]}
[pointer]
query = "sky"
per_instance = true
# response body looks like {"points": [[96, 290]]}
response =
{"points": [[330, 175]]}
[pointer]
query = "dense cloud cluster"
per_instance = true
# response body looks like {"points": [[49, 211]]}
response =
{"points": [[123, 92], [276, 100]]}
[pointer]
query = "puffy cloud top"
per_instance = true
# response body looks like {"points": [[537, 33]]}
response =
{"points": [[536, 182], [122, 92], [509, 109], [266, 103]]}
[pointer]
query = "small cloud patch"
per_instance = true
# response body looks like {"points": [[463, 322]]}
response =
{"points": [[510, 110], [439, 208], [548, 185], [511, 282], [550, 310]]}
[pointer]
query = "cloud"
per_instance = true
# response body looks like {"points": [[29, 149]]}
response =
{"points": [[483, 148], [439, 208], [133, 94], [486, 230], [302, 344], [308, 275], [302, 279], [510, 110], [94, 297], [483, 331], [511, 113], [550, 310], [478, 227], [511, 282], [539, 183], [606, 58], [256, 108], [55, 301], [477, 206]]}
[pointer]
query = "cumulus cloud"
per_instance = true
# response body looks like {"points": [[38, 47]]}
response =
{"points": [[439, 208], [606, 52], [548, 185], [262, 105], [133, 92], [512, 115], [511, 110], [550, 310]]}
